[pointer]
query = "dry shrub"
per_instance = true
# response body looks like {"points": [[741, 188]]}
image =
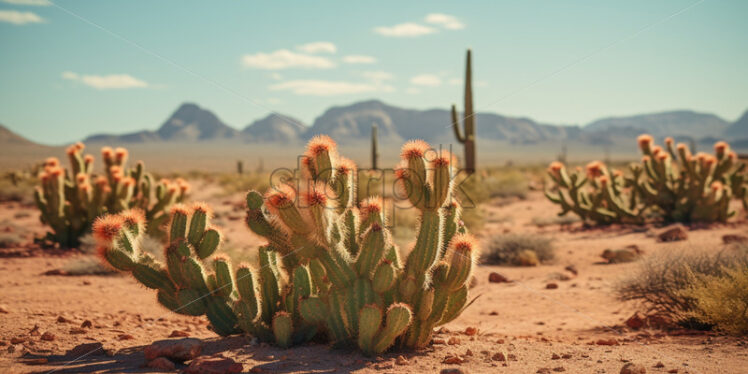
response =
{"points": [[662, 281], [721, 300], [518, 250]]}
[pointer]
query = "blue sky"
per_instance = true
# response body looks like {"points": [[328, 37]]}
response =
{"points": [[73, 68]]}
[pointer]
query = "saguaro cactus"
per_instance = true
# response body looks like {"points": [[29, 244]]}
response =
{"points": [[467, 137], [329, 266], [374, 150]]}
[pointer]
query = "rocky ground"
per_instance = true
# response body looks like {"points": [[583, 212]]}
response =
{"points": [[546, 319]]}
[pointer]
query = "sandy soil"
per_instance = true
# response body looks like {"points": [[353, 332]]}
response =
{"points": [[535, 328]]}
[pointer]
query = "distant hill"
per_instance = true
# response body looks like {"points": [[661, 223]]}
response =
{"points": [[352, 123], [9, 137], [274, 128], [675, 123], [189, 123], [739, 128]]}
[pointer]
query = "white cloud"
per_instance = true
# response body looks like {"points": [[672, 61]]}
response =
{"points": [[328, 88], [445, 20], [377, 76], [427, 80], [106, 82], [405, 30], [276, 76], [317, 47], [28, 2], [412, 91], [284, 59], [19, 18], [359, 59]]}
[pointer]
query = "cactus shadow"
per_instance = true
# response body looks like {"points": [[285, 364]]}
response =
{"points": [[127, 360]]}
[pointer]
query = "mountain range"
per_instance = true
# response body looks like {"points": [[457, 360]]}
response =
{"points": [[352, 123]]}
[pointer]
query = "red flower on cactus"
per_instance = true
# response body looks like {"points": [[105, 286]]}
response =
{"points": [[463, 242], [555, 168], [318, 195], [721, 147], [345, 166], [280, 197], [442, 159], [202, 207], [81, 177], [603, 180], [321, 143], [120, 154], [89, 159], [373, 205], [133, 217], [106, 229], [645, 141], [107, 153], [51, 162], [414, 149], [180, 209], [595, 169], [669, 141], [716, 186]]}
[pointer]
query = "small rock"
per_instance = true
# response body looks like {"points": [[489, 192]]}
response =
{"points": [[86, 349], [162, 364], [400, 360], [610, 341], [673, 233], [499, 356], [48, 336], [452, 371], [179, 334], [659, 365], [566, 356], [17, 340], [673, 371], [3, 309], [178, 349], [473, 281], [437, 341], [559, 369], [62, 319], [86, 324], [626, 254], [551, 286], [632, 368], [125, 337], [572, 269], [555, 357], [451, 360], [469, 353], [544, 371], [217, 364], [495, 277], [470, 331], [734, 238], [77, 330], [453, 341]]}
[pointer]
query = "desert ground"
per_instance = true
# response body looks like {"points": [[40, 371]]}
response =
{"points": [[545, 319]]}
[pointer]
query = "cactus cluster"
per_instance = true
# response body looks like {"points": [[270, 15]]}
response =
{"points": [[71, 199], [329, 269], [669, 183]]}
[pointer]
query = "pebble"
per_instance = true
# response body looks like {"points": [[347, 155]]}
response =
{"points": [[17, 340], [400, 360], [551, 286], [610, 341], [179, 334], [86, 324], [451, 360], [453, 371], [178, 349], [495, 277], [62, 319], [470, 331], [499, 356], [453, 341], [48, 336], [3, 309], [217, 364], [632, 368]]}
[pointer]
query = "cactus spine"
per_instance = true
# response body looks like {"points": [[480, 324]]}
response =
{"points": [[329, 267], [669, 183], [70, 200], [467, 137]]}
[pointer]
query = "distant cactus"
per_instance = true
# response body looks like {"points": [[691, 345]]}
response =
{"points": [[467, 138], [670, 183], [239, 167], [328, 266], [374, 148], [70, 200]]}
